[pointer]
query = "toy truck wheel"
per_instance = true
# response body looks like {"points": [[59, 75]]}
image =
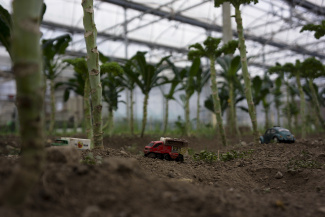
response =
{"points": [[151, 155], [167, 157], [180, 158]]}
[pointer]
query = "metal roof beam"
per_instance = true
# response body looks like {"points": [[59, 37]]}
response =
{"points": [[72, 30], [51, 25], [210, 27], [318, 10]]}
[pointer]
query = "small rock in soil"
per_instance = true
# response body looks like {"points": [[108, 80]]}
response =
{"points": [[239, 164], [278, 175], [243, 143], [91, 211], [322, 209], [124, 153]]}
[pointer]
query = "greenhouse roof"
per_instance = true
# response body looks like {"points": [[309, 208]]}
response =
{"points": [[272, 27]]}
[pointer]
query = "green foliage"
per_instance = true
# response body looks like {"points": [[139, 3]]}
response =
{"points": [[303, 161], [206, 156], [235, 3], [190, 151], [312, 68], [52, 49], [261, 88], [308, 92], [112, 87], [102, 58], [277, 91], [230, 67], [318, 29], [289, 68], [5, 29], [111, 68], [55, 46], [91, 160], [188, 78], [209, 156], [193, 71], [211, 48], [174, 82], [147, 75], [77, 83], [201, 79], [223, 97], [79, 66], [228, 48], [233, 154], [197, 53]]}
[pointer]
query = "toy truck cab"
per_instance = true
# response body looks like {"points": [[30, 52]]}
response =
{"points": [[166, 148]]}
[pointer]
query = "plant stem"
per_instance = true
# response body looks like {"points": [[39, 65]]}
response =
{"points": [[166, 117], [277, 107], [198, 111], [27, 68], [266, 110], [216, 100], [248, 91], [233, 124], [87, 112], [316, 103], [53, 109], [144, 119], [131, 113], [93, 69], [288, 108], [110, 121], [187, 115], [302, 107]]}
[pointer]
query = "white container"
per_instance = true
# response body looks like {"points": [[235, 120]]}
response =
{"points": [[82, 144]]}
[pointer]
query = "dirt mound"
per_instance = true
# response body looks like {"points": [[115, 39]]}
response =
{"points": [[274, 180]]}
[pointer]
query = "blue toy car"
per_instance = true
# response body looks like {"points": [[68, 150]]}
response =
{"points": [[277, 135]]}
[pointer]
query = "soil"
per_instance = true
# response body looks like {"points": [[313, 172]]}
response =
{"points": [[272, 180]]}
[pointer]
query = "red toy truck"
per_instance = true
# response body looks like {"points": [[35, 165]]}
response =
{"points": [[166, 148]]}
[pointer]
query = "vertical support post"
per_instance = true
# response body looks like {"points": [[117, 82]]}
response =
{"points": [[226, 23]]}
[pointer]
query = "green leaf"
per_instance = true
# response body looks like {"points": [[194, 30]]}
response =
{"points": [[43, 12], [103, 58], [112, 68], [55, 46], [312, 68], [229, 48], [235, 65], [194, 67], [66, 95], [318, 29], [79, 66], [5, 29]]}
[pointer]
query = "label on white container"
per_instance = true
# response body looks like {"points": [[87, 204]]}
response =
{"points": [[82, 144]]}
